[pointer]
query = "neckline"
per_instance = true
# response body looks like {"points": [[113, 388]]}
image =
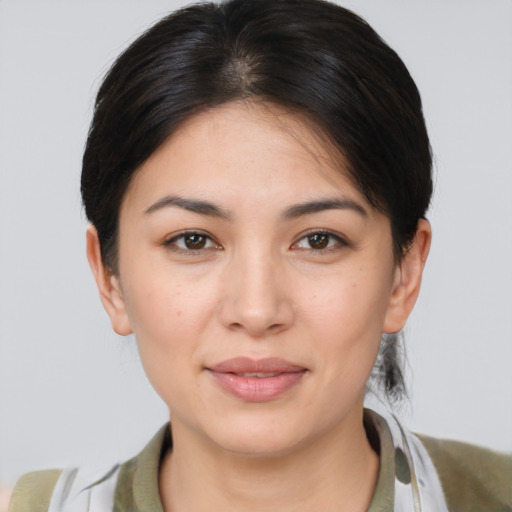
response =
{"points": [[145, 478]]}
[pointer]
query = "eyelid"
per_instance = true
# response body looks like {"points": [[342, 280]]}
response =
{"points": [[169, 242], [340, 239]]}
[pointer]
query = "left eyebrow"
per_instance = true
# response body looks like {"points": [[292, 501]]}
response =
{"points": [[310, 207]]}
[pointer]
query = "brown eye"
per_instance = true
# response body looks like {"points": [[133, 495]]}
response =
{"points": [[318, 240], [194, 242], [191, 242]]}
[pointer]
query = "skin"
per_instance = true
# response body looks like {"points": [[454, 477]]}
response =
{"points": [[258, 287]]}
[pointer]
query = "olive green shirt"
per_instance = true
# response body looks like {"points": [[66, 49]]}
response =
{"points": [[474, 479]]}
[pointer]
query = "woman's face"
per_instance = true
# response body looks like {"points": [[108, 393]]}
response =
{"points": [[257, 280]]}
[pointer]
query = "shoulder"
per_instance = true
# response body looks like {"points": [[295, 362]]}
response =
{"points": [[82, 489], [33, 491], [132, 485], [474, 479]]}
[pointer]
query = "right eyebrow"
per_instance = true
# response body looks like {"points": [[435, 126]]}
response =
{"points": [[192, 205]]}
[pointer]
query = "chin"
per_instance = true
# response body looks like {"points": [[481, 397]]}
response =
{"points": [[262, 445], [270, 437]]}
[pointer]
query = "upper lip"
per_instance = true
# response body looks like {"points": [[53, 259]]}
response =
{"points": [[248, 365]]}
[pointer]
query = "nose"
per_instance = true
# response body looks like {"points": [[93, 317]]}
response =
{"points": [[256, 299]]}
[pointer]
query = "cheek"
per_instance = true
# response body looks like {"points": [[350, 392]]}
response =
{"points": [[169, 319], [346, 316], [167, 312], [350, 306]]}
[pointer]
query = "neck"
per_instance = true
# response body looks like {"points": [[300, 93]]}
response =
{"points": [[338, 471]]}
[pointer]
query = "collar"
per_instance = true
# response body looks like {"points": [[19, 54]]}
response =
{"points": [[137, 485]]}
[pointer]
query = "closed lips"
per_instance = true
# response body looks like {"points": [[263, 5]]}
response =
{"points": [[247, 367], [256, 380], [260, 375]]}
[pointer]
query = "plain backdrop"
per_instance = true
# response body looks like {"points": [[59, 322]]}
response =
{"points": [[72, 392]]}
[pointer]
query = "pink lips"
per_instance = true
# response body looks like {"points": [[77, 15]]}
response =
{"points": [[256, 380]]}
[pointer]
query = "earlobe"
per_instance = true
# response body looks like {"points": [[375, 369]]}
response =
{"points": [[407, 280], [108, 286]]}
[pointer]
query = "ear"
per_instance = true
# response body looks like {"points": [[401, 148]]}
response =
{"points": [[407, 279], [108, 285]]}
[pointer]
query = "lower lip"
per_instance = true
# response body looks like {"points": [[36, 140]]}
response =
{"points": [[257, 389]]}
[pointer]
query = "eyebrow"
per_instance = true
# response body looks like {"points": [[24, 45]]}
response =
{"points": [[192, 205], [327, 204], [206, 208]]}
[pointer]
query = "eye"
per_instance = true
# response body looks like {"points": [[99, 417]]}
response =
{"points": [[191, 241], [319, 241]]}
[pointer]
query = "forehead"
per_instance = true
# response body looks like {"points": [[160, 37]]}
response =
{"points": [[260, 148]]}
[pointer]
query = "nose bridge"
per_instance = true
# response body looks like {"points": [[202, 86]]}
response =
{"points": [[255, 299]]}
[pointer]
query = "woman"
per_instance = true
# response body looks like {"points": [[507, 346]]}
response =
{"points": [[257, 176]]}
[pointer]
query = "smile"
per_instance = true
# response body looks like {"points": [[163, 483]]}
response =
{"points": [[256, 380]]}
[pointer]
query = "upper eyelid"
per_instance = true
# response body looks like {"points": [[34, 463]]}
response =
{"points": [[329, 232], [186, 232], [168, 240]]}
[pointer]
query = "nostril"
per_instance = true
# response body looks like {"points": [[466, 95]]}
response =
{"points": [[258, 330], [257, 315]]}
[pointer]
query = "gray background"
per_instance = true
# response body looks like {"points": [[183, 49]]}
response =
{"points": [[71, 391]]}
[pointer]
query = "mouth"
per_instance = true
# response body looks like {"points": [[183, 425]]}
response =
{"points": [[256, 380], [259, 375]]}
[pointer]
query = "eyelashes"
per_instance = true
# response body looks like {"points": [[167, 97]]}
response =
{"points": [[192, 242], [314, 241], [320, 241]]}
